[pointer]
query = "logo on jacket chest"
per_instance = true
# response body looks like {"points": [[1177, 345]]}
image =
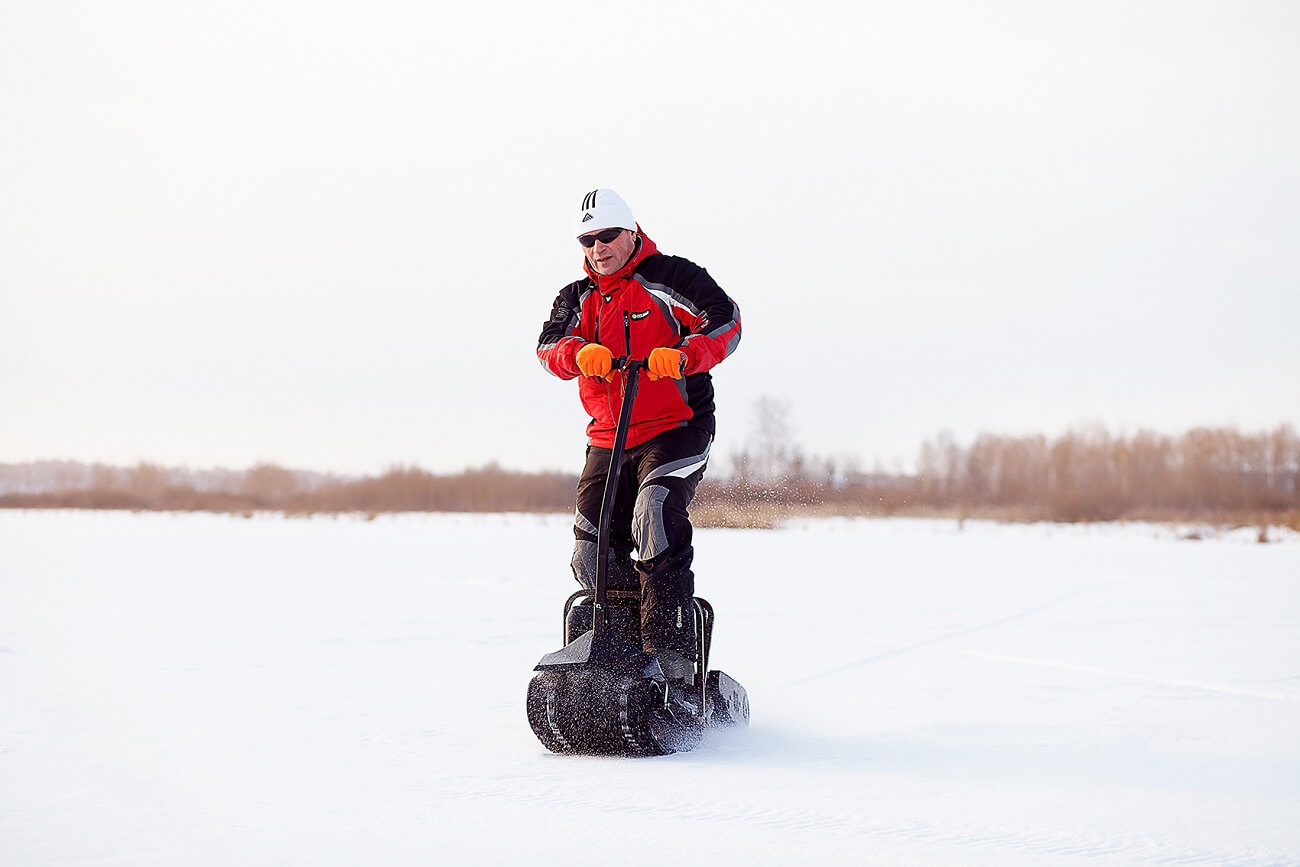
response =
{"points": [[641, 314]]}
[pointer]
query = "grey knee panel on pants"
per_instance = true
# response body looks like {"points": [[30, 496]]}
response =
{"points": [[584, 551], [648, 528], [584, 563]]}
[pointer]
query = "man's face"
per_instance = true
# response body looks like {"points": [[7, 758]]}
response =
{"points": [[606, 258]]}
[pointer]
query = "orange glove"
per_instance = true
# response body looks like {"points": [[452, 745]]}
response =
{"points": [[594, 360], [666, 362]]}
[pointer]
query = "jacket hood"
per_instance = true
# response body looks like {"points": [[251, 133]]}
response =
{"points": [[647, 248]]}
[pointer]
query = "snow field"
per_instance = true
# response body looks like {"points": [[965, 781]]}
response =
{"points": [[206, 689]]}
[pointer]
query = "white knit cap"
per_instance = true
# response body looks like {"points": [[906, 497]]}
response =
{"points": [[603, 209]]}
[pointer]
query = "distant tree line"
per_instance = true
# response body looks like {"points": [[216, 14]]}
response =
{"points": [[269, 487], [1092, 475], [1085, 475]]}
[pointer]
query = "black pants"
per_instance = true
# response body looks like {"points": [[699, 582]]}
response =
{"points": [[655, 486]]}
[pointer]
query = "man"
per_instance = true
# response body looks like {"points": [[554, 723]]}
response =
{"points": [[642, 304]]}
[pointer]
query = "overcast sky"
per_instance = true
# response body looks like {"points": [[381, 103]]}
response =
{"points": [[327, 234]]}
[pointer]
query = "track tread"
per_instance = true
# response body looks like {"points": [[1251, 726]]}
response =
{"points": [[594, 711]]}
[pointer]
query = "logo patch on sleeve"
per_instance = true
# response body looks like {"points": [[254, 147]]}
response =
{"points": [[641, 315]]}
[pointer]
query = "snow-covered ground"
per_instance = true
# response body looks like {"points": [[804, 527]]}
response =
{"points": [[198, 689]]}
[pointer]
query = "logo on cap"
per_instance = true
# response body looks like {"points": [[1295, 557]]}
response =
{"points": [[586, 217]]}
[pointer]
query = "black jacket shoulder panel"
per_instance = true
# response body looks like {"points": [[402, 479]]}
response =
{"points": [[565, 312]]}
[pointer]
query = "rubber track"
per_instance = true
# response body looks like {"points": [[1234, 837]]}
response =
{"points": [[595, 711]]}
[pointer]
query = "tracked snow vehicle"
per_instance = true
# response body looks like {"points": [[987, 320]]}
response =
{"points": [[601, 694]]}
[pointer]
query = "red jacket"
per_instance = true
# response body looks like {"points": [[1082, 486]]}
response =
{"points": [[669, 301]]}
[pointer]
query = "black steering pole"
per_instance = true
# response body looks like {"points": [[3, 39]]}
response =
{"points": [[631, 374]]}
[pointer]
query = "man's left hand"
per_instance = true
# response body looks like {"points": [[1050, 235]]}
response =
{"points": [[665, 362]]}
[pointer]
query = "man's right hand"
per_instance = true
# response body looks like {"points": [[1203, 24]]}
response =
{"points": [[594, 360]]}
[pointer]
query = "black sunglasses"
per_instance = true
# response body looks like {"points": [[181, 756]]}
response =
{"points": [[603, 237]]}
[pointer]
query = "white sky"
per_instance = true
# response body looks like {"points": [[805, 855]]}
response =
{"points": [[327, 235]]}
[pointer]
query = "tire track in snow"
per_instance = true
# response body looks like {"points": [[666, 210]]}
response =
{"points": [[948, 636], [1221, 688], [815, 818]]}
